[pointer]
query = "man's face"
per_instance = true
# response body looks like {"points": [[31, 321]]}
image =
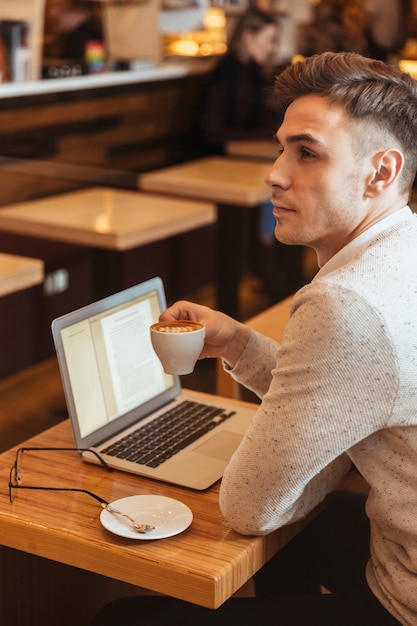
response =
{"points": [[318, 181]]}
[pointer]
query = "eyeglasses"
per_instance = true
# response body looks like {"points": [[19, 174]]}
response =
{"points": [[16, 479], [16, 472]]}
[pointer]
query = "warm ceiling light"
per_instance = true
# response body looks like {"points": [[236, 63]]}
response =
{"points": [[184, 47], [409, 66], [214, 19]]}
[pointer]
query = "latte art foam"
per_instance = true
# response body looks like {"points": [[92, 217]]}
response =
{"points": [[176, 329]]}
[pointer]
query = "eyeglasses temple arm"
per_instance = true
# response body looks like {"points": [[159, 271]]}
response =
{"points": [[80, 450]]}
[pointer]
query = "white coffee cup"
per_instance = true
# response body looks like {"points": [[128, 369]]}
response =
{"points": [[178, 344]]}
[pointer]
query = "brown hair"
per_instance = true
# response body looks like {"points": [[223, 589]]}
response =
{"points": [[253, 20], [381, 95]]}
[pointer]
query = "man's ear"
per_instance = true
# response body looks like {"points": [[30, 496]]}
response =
{"points": [[387, 166]]}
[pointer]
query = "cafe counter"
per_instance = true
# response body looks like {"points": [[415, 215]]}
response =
{"points": [[116, 123]]}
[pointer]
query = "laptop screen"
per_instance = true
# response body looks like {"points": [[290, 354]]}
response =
{"points": [[107, 362]]}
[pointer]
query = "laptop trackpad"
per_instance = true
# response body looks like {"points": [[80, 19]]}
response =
{"points": [[220, 446]]}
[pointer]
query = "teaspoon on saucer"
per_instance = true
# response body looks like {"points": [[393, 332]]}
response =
{"points": [[141, 528]]}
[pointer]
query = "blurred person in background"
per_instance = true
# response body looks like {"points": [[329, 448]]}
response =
{"points": [[374, 28], [388, 28], [235, 102], [235, 106], [355, 24], [337, 27], [324, 32]]}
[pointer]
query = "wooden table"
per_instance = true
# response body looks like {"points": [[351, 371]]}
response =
{"points": [[204, 565], [106, 219], [265, 149], [21, 279], [272, 323], [18, 272], [234, 184]]}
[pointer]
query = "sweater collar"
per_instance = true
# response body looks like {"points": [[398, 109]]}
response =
{"points": [[362, 241]]}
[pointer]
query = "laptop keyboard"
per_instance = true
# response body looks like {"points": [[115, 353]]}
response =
{"points": [[168, 434]]}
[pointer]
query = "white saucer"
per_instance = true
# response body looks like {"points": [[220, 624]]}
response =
{"points": [[170, 517]]}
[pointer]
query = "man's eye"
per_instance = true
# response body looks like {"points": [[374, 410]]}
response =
{"points": [[306, 154]]}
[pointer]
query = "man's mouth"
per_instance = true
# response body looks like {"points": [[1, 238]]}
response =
{"points": [[280, 208]]}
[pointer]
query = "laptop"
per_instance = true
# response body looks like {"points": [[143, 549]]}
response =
{"points": [[117, 394]]}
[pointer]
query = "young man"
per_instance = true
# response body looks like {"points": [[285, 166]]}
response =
{"points": [[341, 389]]}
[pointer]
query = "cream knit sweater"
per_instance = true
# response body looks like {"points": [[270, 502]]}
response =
{"points": [[340, 389]]}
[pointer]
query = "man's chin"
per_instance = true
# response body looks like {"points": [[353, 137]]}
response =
{"points": [[286, 238]]}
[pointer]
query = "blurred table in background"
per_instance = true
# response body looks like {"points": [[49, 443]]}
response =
{"points": [[235, 185], [266, 149], [19, 272], [109, 221], [21, 278]]}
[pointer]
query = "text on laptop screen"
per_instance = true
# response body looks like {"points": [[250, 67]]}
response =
{"points": [[111, 363]]}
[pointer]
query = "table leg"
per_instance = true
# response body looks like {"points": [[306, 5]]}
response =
{"points": [[108, 272], [230, 224], [115, 270]]}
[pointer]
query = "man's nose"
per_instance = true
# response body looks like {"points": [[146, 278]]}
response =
{"points": [[277, 177]]}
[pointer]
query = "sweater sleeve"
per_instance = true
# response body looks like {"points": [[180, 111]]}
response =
{"points": [[331, 386], [255, 365]]}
